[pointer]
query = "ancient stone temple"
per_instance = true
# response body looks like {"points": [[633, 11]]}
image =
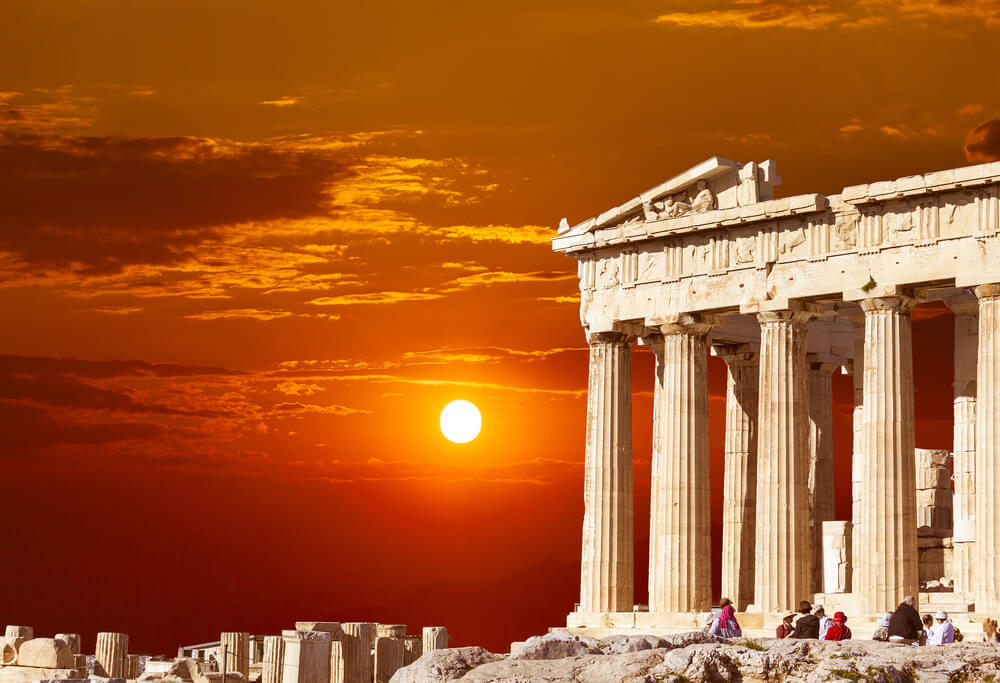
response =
{"points": [[788, 291]]}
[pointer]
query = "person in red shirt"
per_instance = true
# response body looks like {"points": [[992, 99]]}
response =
{"points": [[839, 630], [785, 627]]}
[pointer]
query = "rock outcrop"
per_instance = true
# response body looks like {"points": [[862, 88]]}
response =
{"points": [[698, 657]]}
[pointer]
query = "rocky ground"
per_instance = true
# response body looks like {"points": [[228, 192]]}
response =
{"points": [[697, 656]]}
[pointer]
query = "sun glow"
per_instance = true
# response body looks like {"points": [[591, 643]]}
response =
{"points": [[461, 421]]}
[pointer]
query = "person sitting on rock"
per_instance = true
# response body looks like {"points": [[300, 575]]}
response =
{"points": [[711, 624], [882, 629], [728, 627], [785, 628], [808, 624], [825, 622], [928, 622], [805, 607], [944, 630], [839, 630], [905, 625]]}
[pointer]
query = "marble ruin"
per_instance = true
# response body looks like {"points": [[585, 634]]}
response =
{"points": [[787, 292], [312, 652]]}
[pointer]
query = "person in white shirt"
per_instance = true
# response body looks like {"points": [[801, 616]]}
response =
{"points": [[944, 631], [825, 622]]}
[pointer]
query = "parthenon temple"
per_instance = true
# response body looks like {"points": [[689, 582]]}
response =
{"points": [[788, 291]]}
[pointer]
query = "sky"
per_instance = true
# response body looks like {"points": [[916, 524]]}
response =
{"points": [[249, 250]]}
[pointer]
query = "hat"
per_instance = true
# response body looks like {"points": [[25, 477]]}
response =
{"points": [[707, 617], [791, 615], [839, 616], [817, 609], [941, 615]]}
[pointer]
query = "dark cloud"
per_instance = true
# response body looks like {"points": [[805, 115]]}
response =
{"points": [[983, 142], [101, 203], [27, 429]]}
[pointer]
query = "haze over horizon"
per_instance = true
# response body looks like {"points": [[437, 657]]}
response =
{"points": [[248, 252]]}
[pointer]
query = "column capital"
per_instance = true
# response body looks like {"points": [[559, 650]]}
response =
{"points": [[991, 291], [779, 305], [609, 338], [791, 317], [888, 303], [737, 353], [684, 323]]}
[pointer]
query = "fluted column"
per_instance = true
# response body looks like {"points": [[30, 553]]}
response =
{"points": [[966, 312], [857, 421], [606, 577], [435, 638], [783, 571], [987, 482], [887, 554], [109, 655], [740, 476], [274, 659], [680, 545], [237, 646], [820, 480]]}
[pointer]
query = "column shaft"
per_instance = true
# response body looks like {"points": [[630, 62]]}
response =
{"points": [[110, 654], [606, 577], [357, 651], [740, 479], [964, 444], [857, 424], [237, 652], [274, 659], [680, 559], [987, 483], [435, 638], [783, 571], [887, 554], [820, 480]]}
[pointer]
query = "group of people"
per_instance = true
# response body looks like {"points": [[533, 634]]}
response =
{"points": [[905, 625], [812, 622]]}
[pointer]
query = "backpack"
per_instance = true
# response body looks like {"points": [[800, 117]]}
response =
{"points": [[881, 633]]}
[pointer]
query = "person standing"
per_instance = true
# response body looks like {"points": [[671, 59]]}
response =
{"points": [[905, 625]]}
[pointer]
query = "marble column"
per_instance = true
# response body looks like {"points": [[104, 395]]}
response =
{"points": [[858, 377], [413, 648], [357, 647], [435, 638], [606, 577], [274, 659], [987, 482], [740, 476], [887, 554], [237, 646], [680, 540], [820, 480], [966, 312], [388, 657], [307, 657], [783, 570], [109, 656]]}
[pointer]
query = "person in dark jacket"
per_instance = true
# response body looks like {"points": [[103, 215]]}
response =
{"points": [[905, 625], [807, 625]]}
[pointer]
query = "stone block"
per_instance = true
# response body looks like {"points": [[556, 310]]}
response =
{"points": [[45, 653], [307, 657], [837, 537], [133, 666], [25, 632], [390, 630], [435, 638], [332, 627], [8, 651], [29, 674], [388, 657], [71, 639]]}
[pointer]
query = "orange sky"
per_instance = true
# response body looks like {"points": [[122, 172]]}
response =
{"points": [[248, 251]]}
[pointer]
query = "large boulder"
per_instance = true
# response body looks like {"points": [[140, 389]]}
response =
{"points": [[45, 653], [620, 644], [557, 645], [443, 665]]}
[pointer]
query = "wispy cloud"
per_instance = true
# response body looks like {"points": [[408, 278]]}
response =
{"points": [[283, 101]]}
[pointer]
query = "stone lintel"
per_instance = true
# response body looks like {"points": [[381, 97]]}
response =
{"points": [[877, 292], [825, 362], [963, 304], [779, 304]]}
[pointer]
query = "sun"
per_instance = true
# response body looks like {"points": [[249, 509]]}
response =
{"points": [[461, 421]]}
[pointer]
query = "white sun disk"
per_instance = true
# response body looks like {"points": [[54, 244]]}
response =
{"points": [[461, 421]]}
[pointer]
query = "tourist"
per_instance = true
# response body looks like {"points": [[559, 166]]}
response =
{"points": [[838, 630], [825, 622], [727, 626], [905, 625], [882, 629], [944, 631], [710, 623], [808, 624], [990, 631], [805, 607], [785, 628], [928, 621]]}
